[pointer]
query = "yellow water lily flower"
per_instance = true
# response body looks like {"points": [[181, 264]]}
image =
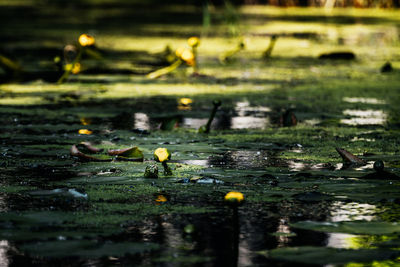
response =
{"points": [[86, 40], [85, 131], [68, 67], [194, 41], [188, 57], [161, 198], [162, 154], [179, 51], [86, 121], [235, 197], [185, 101], [76, 68]]}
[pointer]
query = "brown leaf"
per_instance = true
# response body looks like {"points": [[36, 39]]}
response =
{"points": [[74, 151], [88, 146], [349, 158]]}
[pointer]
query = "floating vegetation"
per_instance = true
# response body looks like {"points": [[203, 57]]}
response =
{"points": [[79, 178]]}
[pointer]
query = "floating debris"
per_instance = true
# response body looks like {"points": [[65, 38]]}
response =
{"points": [[387, 67], [338, 56]]}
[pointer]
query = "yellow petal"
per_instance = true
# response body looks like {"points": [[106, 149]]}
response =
{"points": [[85, 131], [162, 154], [86, 40], [194, 41], [185, 101], [234, 197], [161, 198]]}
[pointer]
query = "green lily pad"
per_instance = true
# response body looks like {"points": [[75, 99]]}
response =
{"points": [[325, 255], [86, 248], [355, 227], [132, 153]]}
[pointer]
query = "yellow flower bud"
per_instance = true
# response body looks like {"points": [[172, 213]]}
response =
{"points": [[85, 131], [179, 52], [185, 101], [194, 41], [161, 198], [77, 68], [86, 40], [235, 197], [162, 154], [188, 57], [68, 67]]}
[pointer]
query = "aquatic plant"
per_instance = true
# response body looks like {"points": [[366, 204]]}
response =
{"points": [[267, 53], [227, 56], [86, 40], [206, 128], [86, 43], [234, 197], [163, 155], [184, 103], [194, 42], [183, 55]]}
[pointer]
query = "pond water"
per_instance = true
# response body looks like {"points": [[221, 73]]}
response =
{"points": [[273, 139]]}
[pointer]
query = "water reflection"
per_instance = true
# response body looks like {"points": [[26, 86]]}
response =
{"points": [[142, 121], [245, 159], [352, 211], [283, 230], [243, 109], [364, 100], [249, 122], [250, 117], [364, 117], [196, 123], [4, 246], [297, 166], [3, 205], [242, 116], [339, 240]]}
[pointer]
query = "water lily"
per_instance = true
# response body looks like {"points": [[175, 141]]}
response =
{"points": [[86, 40], [84, 131], [161, 199], [76, 68], [234, 197], [163, 155], [184, 103], [194, 41]]}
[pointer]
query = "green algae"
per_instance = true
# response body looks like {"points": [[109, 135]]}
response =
{"points": [[288, 175]]}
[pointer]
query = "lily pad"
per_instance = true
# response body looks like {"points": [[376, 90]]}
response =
{"points": [[325, 255], [353, 227], [132, 154], [59, 192], [86, 248], [74, 151], [88, 148]]}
